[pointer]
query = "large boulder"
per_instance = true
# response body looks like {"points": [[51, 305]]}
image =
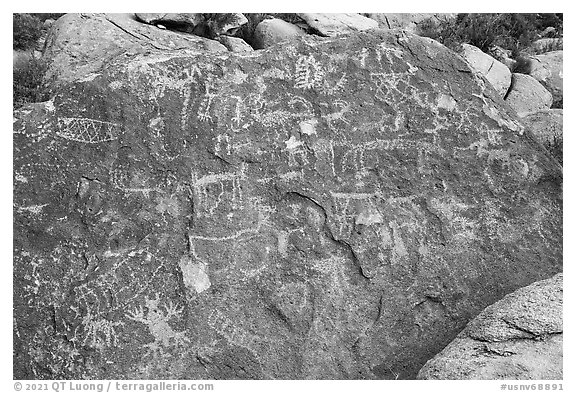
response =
{"points": [[548, 70], [519, 337], [328, 208], [527, 95], [273, 31], [410, 22], [80, 45], [496, 73], [330, 25]]}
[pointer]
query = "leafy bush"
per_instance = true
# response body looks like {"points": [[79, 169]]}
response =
{"points": [[27, 82], [26, 31]]}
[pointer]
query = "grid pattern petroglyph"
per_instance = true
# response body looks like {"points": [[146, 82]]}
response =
{"points": [[85, 130]]}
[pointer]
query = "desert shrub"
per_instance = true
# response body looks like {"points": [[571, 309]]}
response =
{"points": [[27, 82], [514, 32], [26, 31]]}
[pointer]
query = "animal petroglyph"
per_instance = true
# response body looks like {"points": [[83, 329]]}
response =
{"points": [[99, 332], [85, 130], [213, 190], [157, 319]]}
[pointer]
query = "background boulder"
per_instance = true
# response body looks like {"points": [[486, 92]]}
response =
{"points": [[272, 31], [547, 69], [79, 45], [496, 73], [527, 95], [518, 337]]}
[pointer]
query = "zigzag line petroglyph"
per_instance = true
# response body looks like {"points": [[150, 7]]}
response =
{"points": [[87, 130]]}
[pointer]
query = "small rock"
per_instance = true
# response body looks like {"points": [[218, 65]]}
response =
{"points": [[330, 25], [518, 337], [235, 44], [272, 31], [527, 95], [495, 72]]}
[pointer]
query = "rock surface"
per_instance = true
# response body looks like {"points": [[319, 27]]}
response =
{"points": [[527, 95], [548, 70], [496, 73], [327, 208], [80, 45], [546, 125], [330, 25], [272, 31], [518, 337]]}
